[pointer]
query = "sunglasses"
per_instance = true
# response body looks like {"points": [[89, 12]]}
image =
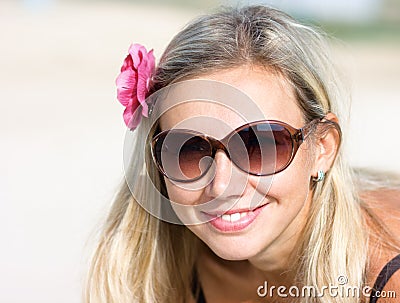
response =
{"points": [[260, 148]]}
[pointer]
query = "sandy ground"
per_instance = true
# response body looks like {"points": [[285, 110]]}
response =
{"points": [[62, 133]]}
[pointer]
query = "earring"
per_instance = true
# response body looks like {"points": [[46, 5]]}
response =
{"points": [[320, 177]]}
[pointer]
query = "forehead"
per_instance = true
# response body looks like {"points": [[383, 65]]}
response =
{"points": [[264, 94]]}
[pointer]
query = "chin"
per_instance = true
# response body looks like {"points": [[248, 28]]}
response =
{"points": [[233, 255], [234, 247]]}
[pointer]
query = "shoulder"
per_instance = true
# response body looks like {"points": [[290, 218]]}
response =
{"points": [[384, 204], [389, 197], [383, 208]]}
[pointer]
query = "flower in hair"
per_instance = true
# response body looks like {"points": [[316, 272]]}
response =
{"points": [[133, 84]]}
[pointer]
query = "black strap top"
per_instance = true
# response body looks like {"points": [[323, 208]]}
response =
{"points": [[197, 290], [200, 298], [387, 271]]}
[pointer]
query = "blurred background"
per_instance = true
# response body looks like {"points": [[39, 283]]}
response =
{"points": [[62, 131]]}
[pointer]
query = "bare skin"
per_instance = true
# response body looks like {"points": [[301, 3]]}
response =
{"points": [[237, 281], [232, 266], [385, 204]]}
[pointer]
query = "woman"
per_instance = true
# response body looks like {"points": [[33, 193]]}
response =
{"points": [[241, 139]]}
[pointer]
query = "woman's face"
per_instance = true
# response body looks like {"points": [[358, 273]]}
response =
{"points": [[274, 223]]}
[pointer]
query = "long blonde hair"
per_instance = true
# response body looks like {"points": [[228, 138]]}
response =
{"points": [[140, 258]]}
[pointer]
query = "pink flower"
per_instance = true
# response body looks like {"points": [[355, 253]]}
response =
{"points": [[133, 84]]}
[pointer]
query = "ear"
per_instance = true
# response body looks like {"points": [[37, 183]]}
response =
{"points": [[327, 143]]}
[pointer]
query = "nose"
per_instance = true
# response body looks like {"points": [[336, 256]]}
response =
{"points": [[228, 182]]}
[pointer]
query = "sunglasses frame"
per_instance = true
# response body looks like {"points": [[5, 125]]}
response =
{"points": [[297, 135]]}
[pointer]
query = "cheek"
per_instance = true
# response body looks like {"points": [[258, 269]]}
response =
{"points": [[292, 185], [185, 203], [177, 193]]}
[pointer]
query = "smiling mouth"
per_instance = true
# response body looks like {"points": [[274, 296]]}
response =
{"points": [[233, 212], [234, 220], [234, 217]]}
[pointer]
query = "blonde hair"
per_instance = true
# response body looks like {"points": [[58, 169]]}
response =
{"points": [[140, 258]]}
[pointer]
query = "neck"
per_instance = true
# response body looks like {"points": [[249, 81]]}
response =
{"points": [[246, 279]]}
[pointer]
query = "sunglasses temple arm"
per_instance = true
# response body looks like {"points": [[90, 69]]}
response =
{"points": [[308, 128]]}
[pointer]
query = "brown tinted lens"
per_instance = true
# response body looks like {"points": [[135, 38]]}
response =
{"points": [[283, 145], [195, 157], [183, 156], [261, 149]]}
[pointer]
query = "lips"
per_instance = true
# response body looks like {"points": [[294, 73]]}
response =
{"points": [[234, 220]]}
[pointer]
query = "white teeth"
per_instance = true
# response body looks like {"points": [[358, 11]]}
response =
{"points": [[233, 217], [226, 218]]}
